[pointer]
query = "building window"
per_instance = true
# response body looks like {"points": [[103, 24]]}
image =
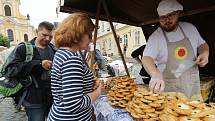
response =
{"points": [[25, 37], [108, 27], [110, 44], [103, 26], [7, 10], [125, 39], [137, 38], [104, 43], [10, 34]]}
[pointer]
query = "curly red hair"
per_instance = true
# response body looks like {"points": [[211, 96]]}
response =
{"points": [[72, 28]]}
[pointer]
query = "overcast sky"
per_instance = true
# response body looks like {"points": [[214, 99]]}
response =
{"points": [[41, 10]]}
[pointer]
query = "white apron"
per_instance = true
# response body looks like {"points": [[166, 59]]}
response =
{"points": [[189, 82]]}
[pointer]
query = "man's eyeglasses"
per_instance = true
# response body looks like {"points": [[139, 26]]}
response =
{"points": [[170, 15]]}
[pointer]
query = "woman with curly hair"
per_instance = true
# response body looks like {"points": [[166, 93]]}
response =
{"points": [[72, 82]]}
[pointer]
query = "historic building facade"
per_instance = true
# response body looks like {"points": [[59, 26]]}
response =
{"points": [[130, 38], [13, 24]]}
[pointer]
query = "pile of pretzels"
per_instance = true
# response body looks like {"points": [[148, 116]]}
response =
{"points": [[146, 105], [122, 92]]}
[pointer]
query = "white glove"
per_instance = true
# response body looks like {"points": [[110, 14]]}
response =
{"points": [[156, 83]]}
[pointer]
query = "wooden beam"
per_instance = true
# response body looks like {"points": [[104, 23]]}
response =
{"points": [[183, 14], [115, 35], [197, 11], [95, 38], [92, 15]]}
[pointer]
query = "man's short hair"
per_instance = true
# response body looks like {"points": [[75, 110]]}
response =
{"points": [[47, 25]]}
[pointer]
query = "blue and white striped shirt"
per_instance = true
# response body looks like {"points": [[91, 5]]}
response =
{"points": [[71, 80]]}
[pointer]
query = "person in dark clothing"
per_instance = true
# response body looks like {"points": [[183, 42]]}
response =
{"points": [[38, 99], [99, 59], [136, 55]]}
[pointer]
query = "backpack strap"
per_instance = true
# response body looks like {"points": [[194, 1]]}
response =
{"points": [[29, 51], [21, 100], [28, 58]]}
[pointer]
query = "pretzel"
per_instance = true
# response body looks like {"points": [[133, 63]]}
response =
{"points": [[138, 94], [145, 100], [166, 117], [150, 110], [159, 101], [182, 108], [155, 105], [135, 115], [170, 111], [185, 118], [126, 93], [203, 113], [145, 107], [196, 104], [152, 98], [152, 115], [123, 105], [195, 113], [209, 118], [144, 116]]}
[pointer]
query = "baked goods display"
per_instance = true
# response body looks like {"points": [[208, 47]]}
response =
{"points": [[170, 106], [109, 83], [122, 91], [182, 110], [146, 105]]}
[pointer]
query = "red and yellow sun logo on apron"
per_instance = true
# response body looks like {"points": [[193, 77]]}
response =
{"points": [[181, 53]]}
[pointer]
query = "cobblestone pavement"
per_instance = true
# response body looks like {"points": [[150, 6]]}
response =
{"points": [[9, 113]]}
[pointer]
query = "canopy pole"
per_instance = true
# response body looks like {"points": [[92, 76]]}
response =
{"points": [[115, 36], [95, 38]]}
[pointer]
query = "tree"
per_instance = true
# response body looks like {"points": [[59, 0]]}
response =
{"points": [[4, 41]]}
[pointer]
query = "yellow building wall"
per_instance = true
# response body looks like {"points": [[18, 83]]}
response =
{"points": [[17, 22], [103, 41]]}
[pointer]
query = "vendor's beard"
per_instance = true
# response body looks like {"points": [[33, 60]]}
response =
{"points": [[169, 26]]}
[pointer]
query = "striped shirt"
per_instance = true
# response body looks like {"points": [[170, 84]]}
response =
{"points": [[71, 80]]}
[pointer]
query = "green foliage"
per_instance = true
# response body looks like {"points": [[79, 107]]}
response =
{"points": [[4, 41]]}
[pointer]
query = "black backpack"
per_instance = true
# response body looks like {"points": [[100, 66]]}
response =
{"points": [[9, 87]]}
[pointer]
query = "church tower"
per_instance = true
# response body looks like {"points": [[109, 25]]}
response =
{"points": [[13, 24]]}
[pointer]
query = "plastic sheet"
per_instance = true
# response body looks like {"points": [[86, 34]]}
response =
{"points": [[105, 112]]}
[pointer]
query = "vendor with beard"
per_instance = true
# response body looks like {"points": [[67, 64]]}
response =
{"points": [[170, 45]]}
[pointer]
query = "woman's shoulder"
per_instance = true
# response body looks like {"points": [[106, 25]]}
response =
{"points": [[66, 55]]}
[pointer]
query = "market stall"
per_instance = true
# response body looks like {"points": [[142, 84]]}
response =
{"points": [[123, 98]]}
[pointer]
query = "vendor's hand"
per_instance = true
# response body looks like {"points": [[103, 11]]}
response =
{"points": [[156, 83], [202, 60], [46, 64]]}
